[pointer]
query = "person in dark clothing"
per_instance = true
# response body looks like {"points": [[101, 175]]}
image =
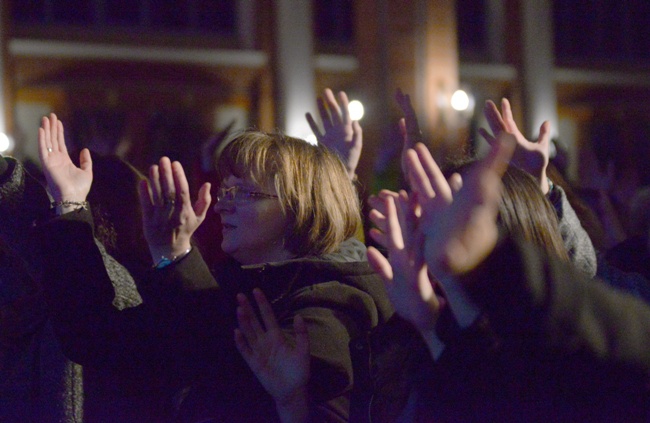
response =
{"points": [[288, 212], [534, 339]]}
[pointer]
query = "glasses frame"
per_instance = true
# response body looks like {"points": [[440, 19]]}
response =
{"points": [[230, 194]]}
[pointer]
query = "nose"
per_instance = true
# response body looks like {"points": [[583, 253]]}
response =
{"points": [[224, 206]]}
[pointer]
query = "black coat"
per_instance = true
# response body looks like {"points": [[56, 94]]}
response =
{"points": [[180, 339]]}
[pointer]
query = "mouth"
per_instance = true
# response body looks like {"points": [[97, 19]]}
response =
{"points": [[227, 226]]}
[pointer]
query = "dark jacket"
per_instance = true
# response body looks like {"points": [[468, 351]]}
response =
{"points": [[338, 295], [551, 345], [37, 383], [180, 338]]}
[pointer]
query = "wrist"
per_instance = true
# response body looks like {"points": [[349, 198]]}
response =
{"points": [[68, 206], [164, 256], [294, 407]]}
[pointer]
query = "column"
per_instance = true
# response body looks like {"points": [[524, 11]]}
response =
{"points": [[294, 71]]}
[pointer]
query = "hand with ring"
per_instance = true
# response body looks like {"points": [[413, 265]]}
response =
{"points": [[168, 216], [65, 181]]}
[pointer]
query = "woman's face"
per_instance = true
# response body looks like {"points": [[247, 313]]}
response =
{"points": [[253, 228]]}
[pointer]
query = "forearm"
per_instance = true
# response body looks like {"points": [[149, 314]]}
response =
{"points": [[23, 201], [295, 409], [576, 240], [550, 305]]}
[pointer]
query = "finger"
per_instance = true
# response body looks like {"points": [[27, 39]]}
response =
{"points": [[85, 161], [182, 187], [487, 136], [403, 132], [248, 322], [416, 175], [456, 182], [268, 316], [314, 126], [357, 133], [493, 117], [403, 221], [333, 107], [202, 204], [54, 133], [385, 193], [378, 219], [302, 335], [380, 264], [379, 237], [393, 228], [168, 189], [544, 137], [324, 115], [61, 138], [508, 118], [345, 108], [43, 139], [242, 345], [433, 172], [154, 185]]}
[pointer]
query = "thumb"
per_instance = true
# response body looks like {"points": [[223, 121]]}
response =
{"points": [[203, 202], [85, 161]]}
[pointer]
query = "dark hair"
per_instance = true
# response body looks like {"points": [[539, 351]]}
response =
{"points": [[115, 204]]}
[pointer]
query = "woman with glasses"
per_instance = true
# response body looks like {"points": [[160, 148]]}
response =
{"points": [[288, 213]]}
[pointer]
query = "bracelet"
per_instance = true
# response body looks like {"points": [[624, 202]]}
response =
{"points": [[59, 205], [166, 261], [551, 186]]}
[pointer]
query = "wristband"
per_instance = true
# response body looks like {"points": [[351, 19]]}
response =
{"points": [[166, 261]]}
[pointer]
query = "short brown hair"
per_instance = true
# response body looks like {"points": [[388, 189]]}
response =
{"points": [[313, 187]]}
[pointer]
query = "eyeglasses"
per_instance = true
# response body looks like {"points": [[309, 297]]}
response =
{"points": [[239, 195]]}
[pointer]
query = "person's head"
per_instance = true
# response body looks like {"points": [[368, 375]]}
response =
{"points": [[310, 206], [525, 211], [113, 198]]}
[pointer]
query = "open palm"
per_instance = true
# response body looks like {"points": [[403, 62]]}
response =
{"points": [[65, 181], [281, 366]]}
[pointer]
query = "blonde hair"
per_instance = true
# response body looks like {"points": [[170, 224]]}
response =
{"points": [[313, 187]]}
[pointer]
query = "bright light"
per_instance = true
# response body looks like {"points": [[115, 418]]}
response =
{"points": [[460, 101], [355, 108], [5, 143], [311, 139]]}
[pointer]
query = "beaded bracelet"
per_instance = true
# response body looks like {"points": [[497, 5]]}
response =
{"points": [[59, 205]]}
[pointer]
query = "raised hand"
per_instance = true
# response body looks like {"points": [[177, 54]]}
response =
{"points": [[405, 272], [408, 125], [169, 219], [65, 181], [281, 366], [459, 228], [531, 156], [341, 134]]}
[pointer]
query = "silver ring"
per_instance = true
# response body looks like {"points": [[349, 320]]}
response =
{"points": [[49, 149]]}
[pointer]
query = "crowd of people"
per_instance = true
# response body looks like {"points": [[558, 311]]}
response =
{"points": [[480, 296]]}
